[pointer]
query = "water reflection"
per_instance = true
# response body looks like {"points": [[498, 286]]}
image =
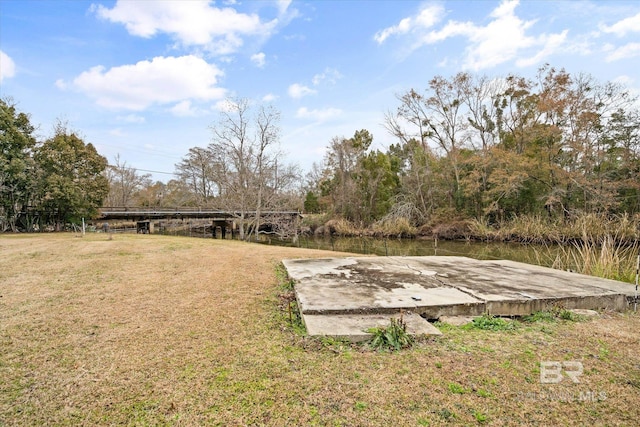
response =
{"points": [[531, 254]]}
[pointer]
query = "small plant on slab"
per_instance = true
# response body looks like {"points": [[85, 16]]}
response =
{"points": [[393, 337]]}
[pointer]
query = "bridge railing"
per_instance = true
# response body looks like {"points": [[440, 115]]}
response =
{"points": [[149, 209], [132, 211]]}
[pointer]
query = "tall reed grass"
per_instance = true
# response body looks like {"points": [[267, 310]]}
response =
{"points": [[611, 259], [591, 244], [589, 228]]}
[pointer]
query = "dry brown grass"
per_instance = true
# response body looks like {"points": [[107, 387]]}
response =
{"points": [[154, 330]]}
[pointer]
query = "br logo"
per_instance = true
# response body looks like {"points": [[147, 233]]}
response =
{"points": [[552, 372]]}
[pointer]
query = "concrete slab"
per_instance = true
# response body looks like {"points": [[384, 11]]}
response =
{"points": [[434, 286], [353, 327]]}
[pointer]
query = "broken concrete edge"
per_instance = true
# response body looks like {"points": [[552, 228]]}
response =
{"points": [[515, 308], [356, 327], [464, 320], [512, 308]]}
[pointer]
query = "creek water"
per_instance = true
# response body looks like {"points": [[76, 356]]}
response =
{"points": [[530, 254]]}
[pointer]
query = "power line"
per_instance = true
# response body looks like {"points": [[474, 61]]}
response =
{"points": [[150, 171]]}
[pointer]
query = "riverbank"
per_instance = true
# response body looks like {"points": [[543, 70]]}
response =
{"points": [[588, 228], [164, 330], [596, 245]]}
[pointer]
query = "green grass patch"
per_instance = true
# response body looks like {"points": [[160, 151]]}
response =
{"points": [[553, 315], [487, 322], [456, 388]]}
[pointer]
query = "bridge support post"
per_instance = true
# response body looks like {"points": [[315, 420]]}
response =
{"points": [[223, 229]]}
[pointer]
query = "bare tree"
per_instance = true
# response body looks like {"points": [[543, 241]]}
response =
{"points": [[437, 117], [244, 153], [197, 171], [124, 183]]}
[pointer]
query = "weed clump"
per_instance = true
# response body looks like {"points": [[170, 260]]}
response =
{"points": [[391, 337]]}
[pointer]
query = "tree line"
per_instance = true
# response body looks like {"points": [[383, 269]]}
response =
{"points": [[554, 146], [469, 146]]}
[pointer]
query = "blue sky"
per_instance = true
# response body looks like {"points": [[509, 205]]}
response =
{"points": [[145, 79]]}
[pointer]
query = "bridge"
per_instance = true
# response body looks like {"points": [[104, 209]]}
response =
{"points": [[143, 213], [145, 218]]}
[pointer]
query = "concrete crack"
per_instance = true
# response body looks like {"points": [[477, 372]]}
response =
{"points": [[448, 285]]}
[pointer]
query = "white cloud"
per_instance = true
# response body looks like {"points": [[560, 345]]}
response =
{"points": [[7, 66], [61, 84], [629, 50], [624, 26], [191, 23], [426, 18], [258, 59], [318, 115], [163, 80], [297, 91], [269, 97], [184, 109], [330, 75], [630, 84], [131, 118], [283, 5], [502, 39], [224, 105], [624, 80], [117, 132], [552, 43]]}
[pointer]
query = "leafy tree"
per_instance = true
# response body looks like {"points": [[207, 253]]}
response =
{"points": [[18, 173], [342, 168], [377, 182], [311, 204], [73, 184]]}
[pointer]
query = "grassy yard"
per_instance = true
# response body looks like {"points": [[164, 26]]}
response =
{"points": [[154, 330]]}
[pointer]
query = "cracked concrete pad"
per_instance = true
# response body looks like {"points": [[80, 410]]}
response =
{"points": [[445, 286], [299, 269], [353, 327]]}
